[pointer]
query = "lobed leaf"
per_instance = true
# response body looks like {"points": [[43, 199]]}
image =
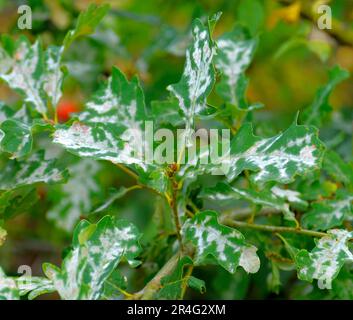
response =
{"points": [[111, 127], [226, 245], [329, 213], [97, 249], [280, 158], [224, 192], [34, 286], [198, 76], [34, 73], [86, 23], [8, 288], [235, 51], [35, 169], [338, 169], [326, 260]]}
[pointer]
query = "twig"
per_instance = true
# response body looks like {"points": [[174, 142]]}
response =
{"points": [[277, 229], [243, 214], [136, 178], [174, 206], [154, 285], [128, 171], [186, 279]]}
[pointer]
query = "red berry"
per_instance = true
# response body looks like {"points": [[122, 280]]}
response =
{"points": [[65, 108]]}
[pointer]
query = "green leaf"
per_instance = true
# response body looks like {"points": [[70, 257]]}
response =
{"points": [[74, 198], [326, 260], [165, 112], [17, 138], [34, 286], [114, 285], [35, 73], [16, 132], [17, 201], [337, 168], [273, 279], [8, 288], [224, 192], [329, 213], [110, 121], [5, 112], [295, 198], [35, 169], [86, 23], [317, 112], [97, 250], [235, 52], [197, 284], [251, 14], [280, 158], [198, 76], [342, 287], [226, 245], [174, 284]]}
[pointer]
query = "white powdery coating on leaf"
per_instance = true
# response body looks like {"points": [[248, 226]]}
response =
{"points": [[249, 260], [338, 209], [79, 139], [40, 174], [223, 243], [237, 58], [76, 200], [290, 195], [53, 78], [264, 198], [36, 74], [107, 102], [280, 163], [22, 75], [87, 267], [328, 257], [34, 170], [8, 288], [27, 284], [198, 75]]}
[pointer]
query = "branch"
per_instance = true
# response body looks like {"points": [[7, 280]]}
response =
{"points": [[174, 205], [154, 285], [127, 171], [275, 229], [136, 178], [245, 213]]}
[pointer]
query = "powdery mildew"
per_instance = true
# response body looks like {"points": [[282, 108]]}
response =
{"points": [[326, 259], [198, 75], [76, 198], [95, 259], [225, 244]]}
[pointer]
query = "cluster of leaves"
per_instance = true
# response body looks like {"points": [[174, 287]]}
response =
{"points": [[295, 188]]}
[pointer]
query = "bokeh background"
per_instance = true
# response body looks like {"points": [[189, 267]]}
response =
{"points": [[148, 38]]}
